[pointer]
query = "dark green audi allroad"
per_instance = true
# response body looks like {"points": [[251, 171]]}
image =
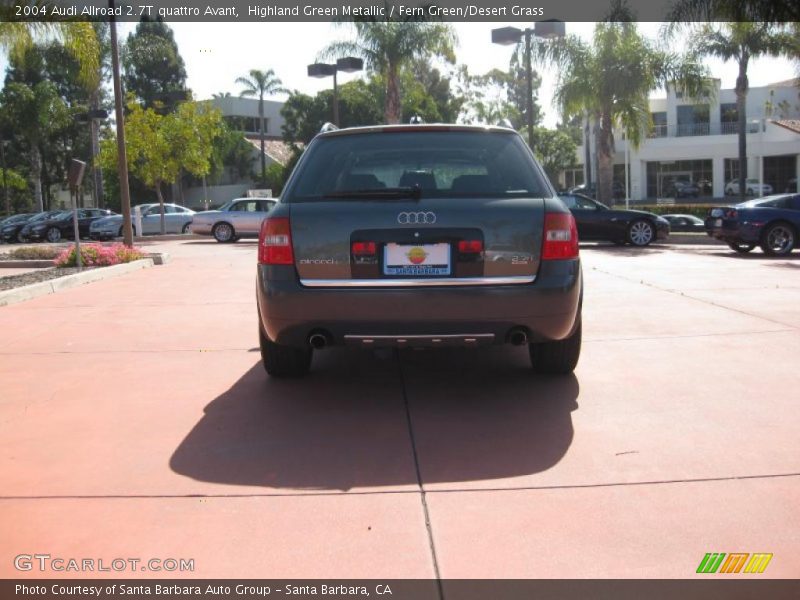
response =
{"points": [[418, 236]]}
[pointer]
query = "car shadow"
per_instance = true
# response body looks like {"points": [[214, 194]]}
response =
{"points": [[610, 248], [474, 416], [755, 255]]}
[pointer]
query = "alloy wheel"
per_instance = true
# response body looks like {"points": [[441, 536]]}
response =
{"points": [[641, 233], [54, 234], [780, 240], [223, 232]]}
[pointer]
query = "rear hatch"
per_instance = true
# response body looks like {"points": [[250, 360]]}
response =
{"points": [[417, 206]]}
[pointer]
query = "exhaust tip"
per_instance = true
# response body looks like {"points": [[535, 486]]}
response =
{"points": [[318, 341], [518, 337]]}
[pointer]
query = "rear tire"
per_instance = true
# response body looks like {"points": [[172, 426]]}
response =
{"points": [[283, 361], [186, 227], [557, 358], [53, 234], [740, 247], [778, 239]]}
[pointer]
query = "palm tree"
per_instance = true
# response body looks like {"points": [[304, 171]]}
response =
{"points": [[610, 79], [261, 83], [79, 39], [387, 46], [218, 95], [742, 42]]}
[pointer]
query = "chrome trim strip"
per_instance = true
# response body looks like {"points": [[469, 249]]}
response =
{"points": [[431, 282]]}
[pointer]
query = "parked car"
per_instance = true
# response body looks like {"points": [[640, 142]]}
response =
{"points": [[683, 189], [772, 223], [752, 187], [685, 223], [241, 217], [178, 220], [590, 190], [596, 221], [8, 226], [381, 236], [61, 225], [17, 232]]}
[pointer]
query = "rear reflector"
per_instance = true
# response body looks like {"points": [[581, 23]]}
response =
{"points": [[275, 242], [470, 246], [363, 248], [730, 213], [560, 237]]}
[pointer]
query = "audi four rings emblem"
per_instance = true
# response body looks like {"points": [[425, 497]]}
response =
{"points": [[416, 218]]}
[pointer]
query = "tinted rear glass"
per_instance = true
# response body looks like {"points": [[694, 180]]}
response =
{"points": [[439, 163]]}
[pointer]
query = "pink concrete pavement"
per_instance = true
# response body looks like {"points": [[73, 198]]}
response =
{"points": [[135, 420]]}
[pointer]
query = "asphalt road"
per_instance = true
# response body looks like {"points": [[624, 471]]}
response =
{"points": [[136, 421]]}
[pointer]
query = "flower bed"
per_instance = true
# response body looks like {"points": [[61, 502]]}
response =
{"points": [[97, 255]]}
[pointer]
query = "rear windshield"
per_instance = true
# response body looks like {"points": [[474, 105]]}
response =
{"points": [[435, 163]]}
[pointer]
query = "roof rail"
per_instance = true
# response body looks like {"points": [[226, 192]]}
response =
{"points": [[328, 127], [505, 123]]}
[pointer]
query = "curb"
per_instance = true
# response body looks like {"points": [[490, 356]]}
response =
{"points": [[43, 288], [24, 264]]}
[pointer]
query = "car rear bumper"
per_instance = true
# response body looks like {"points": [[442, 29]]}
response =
{"points": [[736, 233], [545, 309]]}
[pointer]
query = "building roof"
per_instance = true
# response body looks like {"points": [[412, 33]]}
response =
{"points": [[794, 82], [277, 150], [790, 124]]}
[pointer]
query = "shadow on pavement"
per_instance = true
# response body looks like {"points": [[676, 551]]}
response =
{"points": [[475, 416], [625, 250]]}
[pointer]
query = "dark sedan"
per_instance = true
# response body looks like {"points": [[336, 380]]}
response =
{"points": [[771, 222], [15, 232], [683, 189], [617, 190], [10, 226], [596, 221], [61, 225], [685, 223]]}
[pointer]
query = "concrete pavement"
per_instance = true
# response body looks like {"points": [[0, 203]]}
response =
{"points": [[136, 421]]}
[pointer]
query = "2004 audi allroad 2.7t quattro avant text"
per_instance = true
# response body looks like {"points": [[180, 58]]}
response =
{"points": [[418, 235]]}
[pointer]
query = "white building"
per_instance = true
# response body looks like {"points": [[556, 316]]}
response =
{"points": [[696, 141], [241, 114]]}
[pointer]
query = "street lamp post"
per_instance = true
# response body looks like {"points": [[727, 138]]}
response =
{"points": [[122, 157], [506, 36], [93, 116], [348, 64]]}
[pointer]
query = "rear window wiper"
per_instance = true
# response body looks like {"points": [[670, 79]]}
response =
{"points": [[414, 192]]}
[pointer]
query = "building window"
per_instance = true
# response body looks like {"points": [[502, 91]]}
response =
{"points": [[659, 125], [731, 169], [778, 170], [729, 118], [573, 177], [662, 175], [693, 119]]}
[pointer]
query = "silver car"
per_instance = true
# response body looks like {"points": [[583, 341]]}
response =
{"points": [[177, 220], [241, 217]]}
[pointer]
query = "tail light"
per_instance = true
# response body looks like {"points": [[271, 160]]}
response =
{"points": [[275, 242], [560, 236], [730, 213], [363, 248], [470, 246]]}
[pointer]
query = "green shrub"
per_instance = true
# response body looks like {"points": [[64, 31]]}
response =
{"points": [[35, 253]]}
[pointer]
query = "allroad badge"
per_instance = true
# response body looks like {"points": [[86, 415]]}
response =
{"points": [[416, 218]]}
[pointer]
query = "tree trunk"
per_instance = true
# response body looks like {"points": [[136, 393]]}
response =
{"points": [[605, 161], [161, 204], [741, 109], [261, 137], [36, 176], [392, 105], [97, 171]]}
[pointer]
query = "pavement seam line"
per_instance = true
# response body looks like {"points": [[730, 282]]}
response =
{"points": [[420, 485], [695, 298]]}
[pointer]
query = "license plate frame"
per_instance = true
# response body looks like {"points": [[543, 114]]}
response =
{"points": [[400, 260]]}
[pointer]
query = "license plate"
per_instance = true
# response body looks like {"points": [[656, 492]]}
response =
{"points": [[416, 260], [717, 222]]}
